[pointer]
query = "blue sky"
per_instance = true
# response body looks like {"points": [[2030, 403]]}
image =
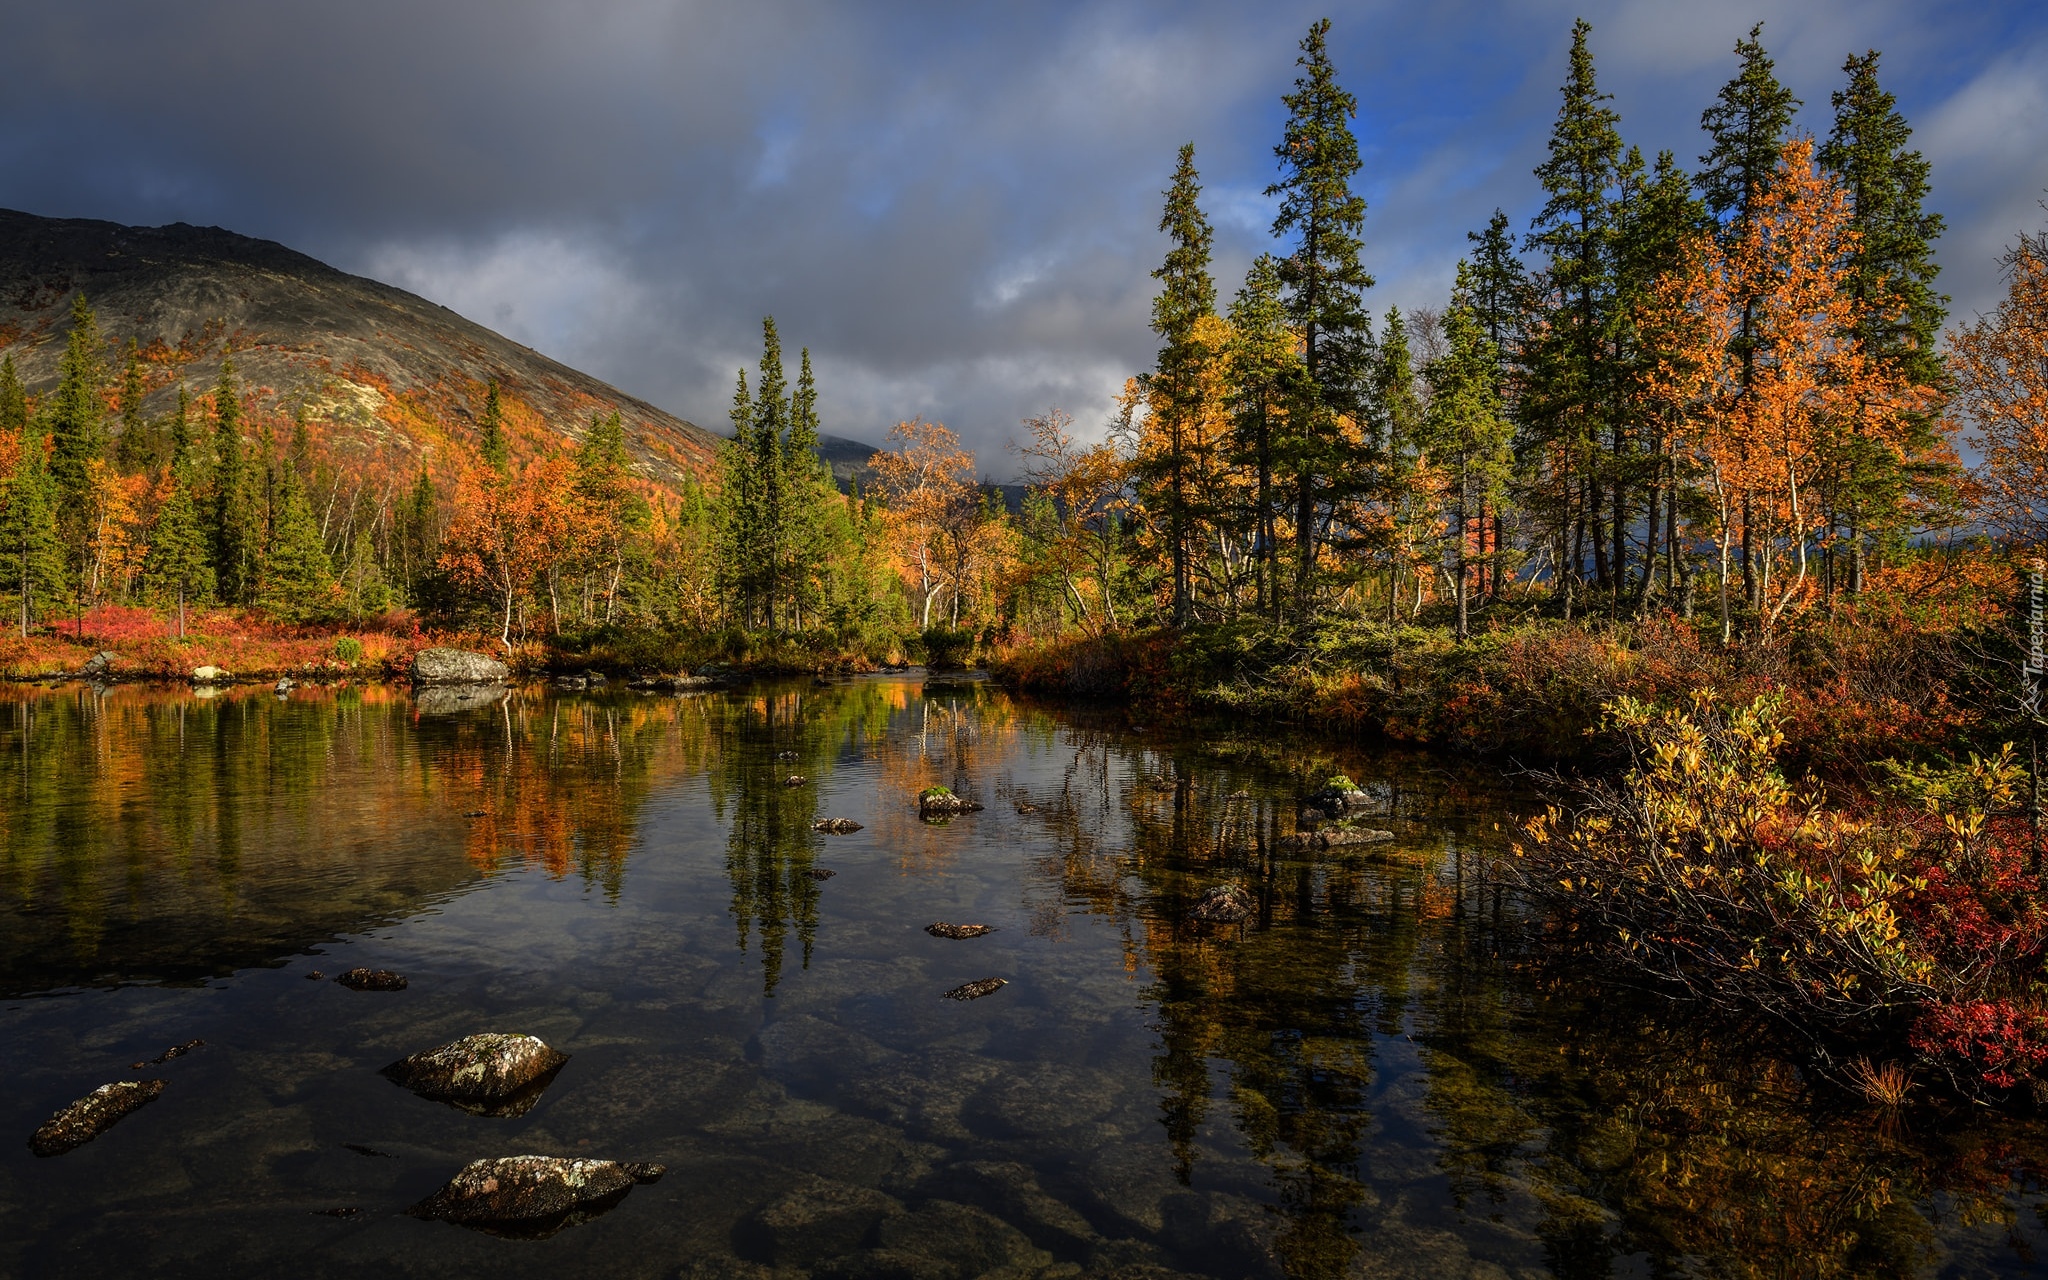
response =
{"points": [[954, 205]]}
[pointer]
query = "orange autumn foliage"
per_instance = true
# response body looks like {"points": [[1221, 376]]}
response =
{"points": [[2000, 367]]}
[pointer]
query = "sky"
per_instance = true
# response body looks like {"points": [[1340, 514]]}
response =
{"points": [[954, 206]]}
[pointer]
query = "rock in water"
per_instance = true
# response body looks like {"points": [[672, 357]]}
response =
{"points": [[939, 802], [456, 666], [175, 1051], [533, 1196], [976, 990], [1223, 904], [285, 685], [794, 780], [1332, 837], [944, 930], [493, 1074], [210, 675], [99, 665], [372, 980], [821, 873], [92, 1115], [835, 826]]}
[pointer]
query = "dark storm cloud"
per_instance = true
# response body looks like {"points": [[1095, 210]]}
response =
{"points": [[952, 205]]}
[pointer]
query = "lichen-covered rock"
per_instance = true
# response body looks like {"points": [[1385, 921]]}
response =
{"points": [[493, 1074], [977, 989], [941, 802], [532, 1196], [210, 675], [835, 826], [372, 980], [1223, 904], [92, 1115], [958, 931], [99, 666], [456, 666]]}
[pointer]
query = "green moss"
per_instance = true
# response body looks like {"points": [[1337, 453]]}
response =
{"points": [[935, 793], [1338, 782]]}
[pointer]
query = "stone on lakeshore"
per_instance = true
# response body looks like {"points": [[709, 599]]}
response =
{"points": [[532, 1196], [211, 675], [977, 989], [820, 1220], [99, 666], [1223, 904], [492, 1074], [92, 1115], [372, 980], [958, 931], [284, 685], [456, 666], [572, 682], [835, 826]]}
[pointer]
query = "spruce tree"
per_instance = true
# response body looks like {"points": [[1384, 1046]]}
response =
{"points": [[739, 508], [809, 497], [237, 539], [615, 512], [770, 419], [78, 418], [1891, 275], [139, 448], [419, 536], [13, 399], [1325, 282], [31, 555], [1186, 296], [1263, 369], [1397, 415], [298, 574], [179, 566], [1567, 403], [1500, 298], [491, 444]]}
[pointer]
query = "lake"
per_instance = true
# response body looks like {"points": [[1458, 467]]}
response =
{"points": [[1384, 1071]]}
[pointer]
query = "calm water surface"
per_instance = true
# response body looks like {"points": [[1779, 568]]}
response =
{"points": [[1377, 1075]]}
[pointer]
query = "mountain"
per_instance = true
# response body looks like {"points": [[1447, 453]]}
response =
{"points": [[388, 379]]}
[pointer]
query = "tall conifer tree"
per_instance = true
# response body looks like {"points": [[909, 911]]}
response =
{"points": [[1187, 294], [78, 416], [298, 574], [1891, 273], [31, 555], [1325, 282], [235, 528], [490, 424], [1568, 397], [1262, 371], [179, 566]]}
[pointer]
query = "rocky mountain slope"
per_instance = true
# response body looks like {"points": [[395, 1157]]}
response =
{"points": [[388, 379]]}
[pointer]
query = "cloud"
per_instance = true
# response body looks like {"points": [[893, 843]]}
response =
{"points": [[954, 207]]}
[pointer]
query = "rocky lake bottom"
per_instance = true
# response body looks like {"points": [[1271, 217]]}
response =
{"points": [[1378, 1071]]}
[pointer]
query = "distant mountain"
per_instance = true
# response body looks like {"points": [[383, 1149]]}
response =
{"points": [[387, 377]]}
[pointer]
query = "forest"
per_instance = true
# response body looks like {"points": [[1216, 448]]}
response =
{"points": [[1692, 477]]}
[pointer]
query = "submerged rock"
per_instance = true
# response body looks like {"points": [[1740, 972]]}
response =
{"points": [[785, 755], [314, 975], [1332, 837], [1223, 904], [492, 1074], [977, 989], [572, 682], [835, 826], [175, 1051], [795, 780], [1025, 806], [456, 666], [341, 1211], [372, 980], [821, 873], [814, 1222], [532, 1196], [944, 930], [92, 1115]]}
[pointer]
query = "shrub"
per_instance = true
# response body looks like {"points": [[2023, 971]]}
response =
{"points": [[1911, 915], [348, 649]]}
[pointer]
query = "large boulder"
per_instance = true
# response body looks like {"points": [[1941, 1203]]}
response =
{"points": [[493, 1074], [532, 1196], [92, 1115], [456, 666]]}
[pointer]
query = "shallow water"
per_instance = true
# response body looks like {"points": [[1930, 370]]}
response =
{"points": [[1379, 1074]]}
